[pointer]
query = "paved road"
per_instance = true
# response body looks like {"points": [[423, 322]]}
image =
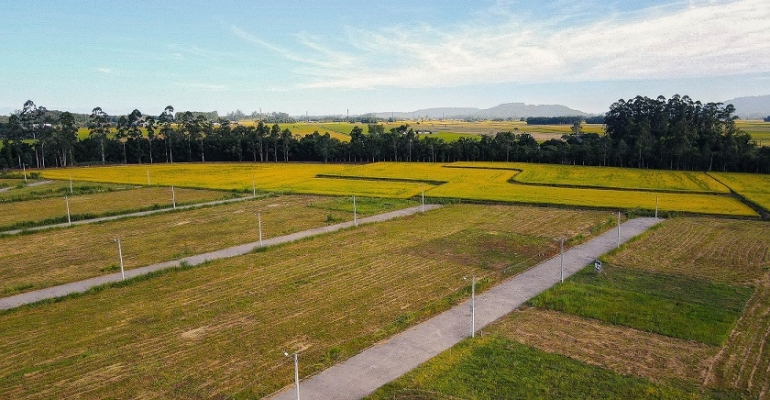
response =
{"points": [[386, 361], [84, 285], [121, 216]]}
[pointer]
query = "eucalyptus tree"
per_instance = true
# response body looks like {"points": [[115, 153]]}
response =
{"points": [[99, 127], [150, 125], [135, 131], [166, 120], [122, 134]]}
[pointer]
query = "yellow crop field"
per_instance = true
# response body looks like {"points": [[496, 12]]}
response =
{"points": [[609, 177], [266, 177], [32, 212], [754, 187], [219, 330], [437, 180]]}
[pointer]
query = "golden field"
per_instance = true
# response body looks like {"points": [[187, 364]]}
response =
{"points": [[674, 191]]}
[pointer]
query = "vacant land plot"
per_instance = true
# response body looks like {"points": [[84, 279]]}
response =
{"points": [[23, 192], [620, 349], [683, 308], [221, 329], [21, 214], [754, 187], [89, 250], [493, 367], [744, 362], [719, 250]]}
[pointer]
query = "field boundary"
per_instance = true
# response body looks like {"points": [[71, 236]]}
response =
{"points": [[85, 285], [362, 374]]}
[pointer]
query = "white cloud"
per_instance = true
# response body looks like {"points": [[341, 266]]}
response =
{"points": [[104, 70], [693, 40]]}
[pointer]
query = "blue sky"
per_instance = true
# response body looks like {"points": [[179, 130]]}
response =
{"points": [[326, 57]]}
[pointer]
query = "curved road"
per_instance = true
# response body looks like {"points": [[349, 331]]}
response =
{"points": [[364, 373]]}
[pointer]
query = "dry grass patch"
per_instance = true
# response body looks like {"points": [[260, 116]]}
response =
{"points": [[720, 250], [744, 361], [623, 350]]}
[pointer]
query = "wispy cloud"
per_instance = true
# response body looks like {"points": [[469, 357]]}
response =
{"points": [[205, 86], [699, 38], [104, 70]]}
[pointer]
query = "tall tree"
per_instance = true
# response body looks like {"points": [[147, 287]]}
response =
{"points": [[166, 120], [99, 127]]}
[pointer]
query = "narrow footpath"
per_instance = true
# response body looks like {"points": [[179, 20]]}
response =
{"points": [[364, 373], [84, 285]]}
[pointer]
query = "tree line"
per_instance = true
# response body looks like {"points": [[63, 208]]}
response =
{"points": [[677, 133]]}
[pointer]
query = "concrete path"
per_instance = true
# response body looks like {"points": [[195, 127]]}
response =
{"points": [[84, 285], [121, 216], [33, 184], [388, 360]]}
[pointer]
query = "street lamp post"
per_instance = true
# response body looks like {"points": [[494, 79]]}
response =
{"points": [[120, 255], [296, 371]]}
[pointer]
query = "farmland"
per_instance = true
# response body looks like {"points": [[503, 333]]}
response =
{"points": [[754, 187], [18, 214], [220, 329], [439, 181]]}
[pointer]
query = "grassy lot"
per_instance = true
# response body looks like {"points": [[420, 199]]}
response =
{"points": [[22, 192], [733, 252], [86, 251], [85, 205], [221, 329], [754, 187], [683, 308], [493, 367], [618, 348], [461, 183], [719, 250]]}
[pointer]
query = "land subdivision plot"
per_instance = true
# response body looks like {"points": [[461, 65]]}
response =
{"points": [[727, 251], [722, 251], [40, 189], [40, 211], [221, 328], [53, 257]]}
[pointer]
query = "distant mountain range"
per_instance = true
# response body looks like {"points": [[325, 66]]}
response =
{"points": [[752, 107], [509, 110]]}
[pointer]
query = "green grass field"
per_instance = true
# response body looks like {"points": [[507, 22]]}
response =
{"points": [[492, 367], [219, 330], [683, 308]]}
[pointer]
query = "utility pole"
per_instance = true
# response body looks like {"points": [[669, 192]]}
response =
{"points": [[120, 255], [355, 213], [618, 229], [67, 202], [561, 260], [173, 198], [259, 223]]}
